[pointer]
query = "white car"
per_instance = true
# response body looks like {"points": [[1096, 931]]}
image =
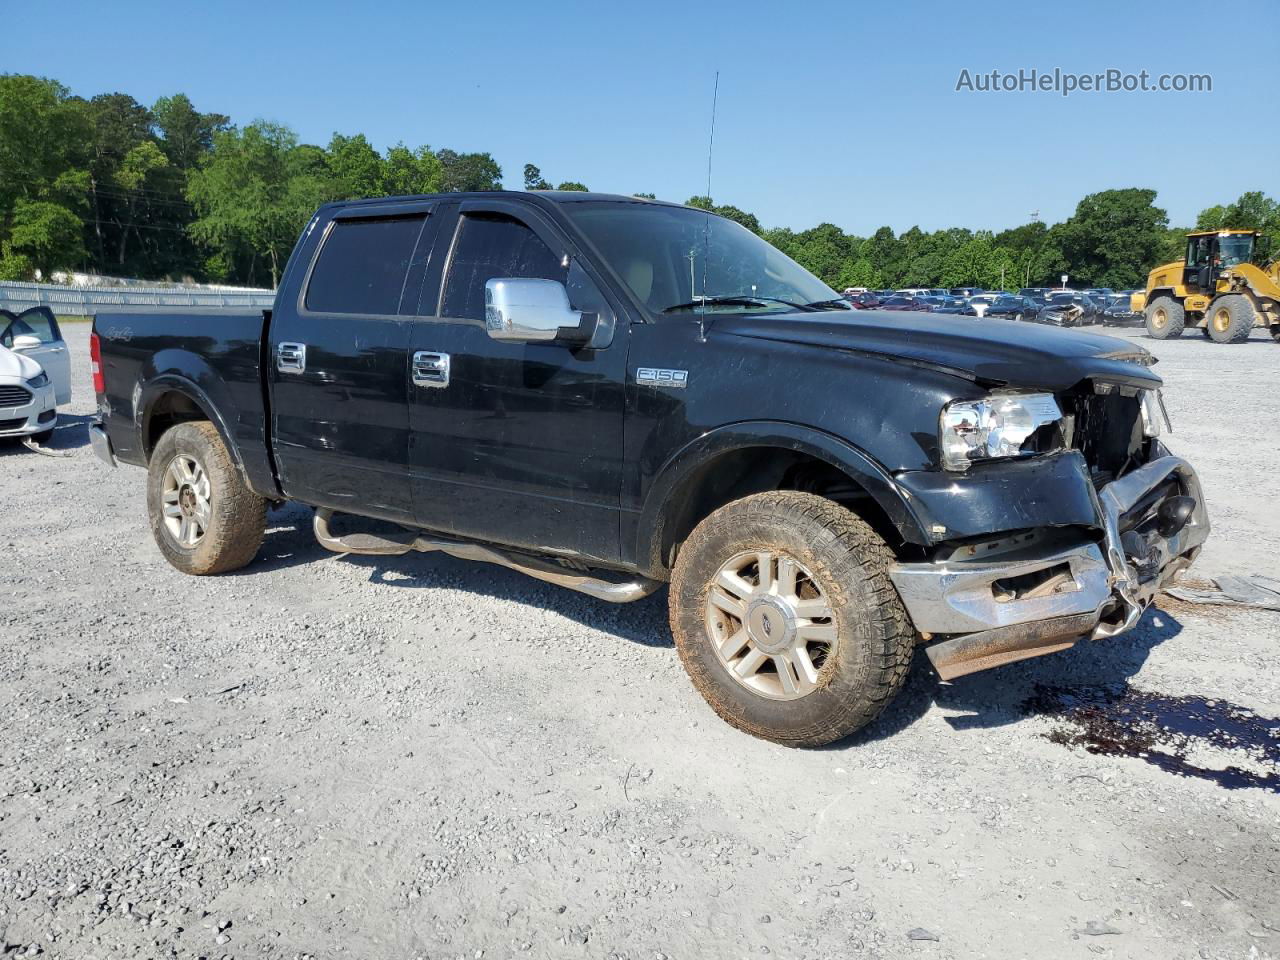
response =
{"points": [[28, 404], [34, 334]]}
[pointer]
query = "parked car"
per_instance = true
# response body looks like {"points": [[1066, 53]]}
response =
{"points": [[528, 379], [1035, 293], [34, 333], [1012, 307], [965, 291], [1088, 309], [863, 301], [1099, 294], [946, 305], [1119, 312], [906, 302], [28, 406], [980, 303]]}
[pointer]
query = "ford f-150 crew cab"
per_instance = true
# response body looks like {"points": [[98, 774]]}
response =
{"points": [[614, 394]]}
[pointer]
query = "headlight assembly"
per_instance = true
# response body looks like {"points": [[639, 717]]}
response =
{"points": [[1154, 415], [41, 379], [999, 426]]}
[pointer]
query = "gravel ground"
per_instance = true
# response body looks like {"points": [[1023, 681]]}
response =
{"points": [[421, 757]]}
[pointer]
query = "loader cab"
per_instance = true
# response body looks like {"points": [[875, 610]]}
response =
{"points": [[1211, 252]]}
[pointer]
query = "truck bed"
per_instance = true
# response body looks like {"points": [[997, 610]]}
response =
{"points": [[211, 356]]}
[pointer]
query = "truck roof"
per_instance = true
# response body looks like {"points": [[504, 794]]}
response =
{"points": [[556, 196]]}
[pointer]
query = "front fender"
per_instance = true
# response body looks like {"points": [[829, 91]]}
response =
{"points": [[892, 498]]}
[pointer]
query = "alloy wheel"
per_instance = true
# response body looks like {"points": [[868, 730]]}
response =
{"points": [[770, 623]]}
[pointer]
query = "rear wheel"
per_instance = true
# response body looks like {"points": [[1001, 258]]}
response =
{"points": [[1230, 319], [1165, 318], [785, 618], [203, 517]]}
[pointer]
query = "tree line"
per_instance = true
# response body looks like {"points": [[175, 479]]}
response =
{"points": [[112, 186]]}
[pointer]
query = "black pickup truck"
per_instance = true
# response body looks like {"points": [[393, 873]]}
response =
{"points": [[612, 394]]}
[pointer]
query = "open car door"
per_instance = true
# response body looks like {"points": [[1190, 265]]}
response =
{"points": [[34, 333]]}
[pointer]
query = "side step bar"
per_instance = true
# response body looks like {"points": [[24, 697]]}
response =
{"points": [[399, 543]]}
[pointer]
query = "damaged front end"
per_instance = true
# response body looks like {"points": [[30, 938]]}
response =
{"points": [[1044, 552]]}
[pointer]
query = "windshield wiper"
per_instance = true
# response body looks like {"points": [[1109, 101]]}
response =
{"points": [[835, 303], [736, 300]]}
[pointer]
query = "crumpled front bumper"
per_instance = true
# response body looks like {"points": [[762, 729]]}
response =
{"points": [[1032, 594]]}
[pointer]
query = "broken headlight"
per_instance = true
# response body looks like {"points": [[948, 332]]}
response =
{"points": [[1154, 414], [1009, 425]]}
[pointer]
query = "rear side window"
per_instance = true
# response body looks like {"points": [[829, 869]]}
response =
{"points": [[362, 266], [493, 246]]}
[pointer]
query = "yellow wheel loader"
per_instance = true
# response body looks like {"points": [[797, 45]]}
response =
{"points": [[1218, 287]]}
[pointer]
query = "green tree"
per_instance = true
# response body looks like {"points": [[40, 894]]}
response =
{"points": [[253, 194], [533, 179], [408, 171], [47, 236], [185, 134], [354, 167], [573, 185], [469, 171], [1114, 237], [645, 196]]}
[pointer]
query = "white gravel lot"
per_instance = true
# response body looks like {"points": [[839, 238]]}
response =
{"points": [[422, 757]]}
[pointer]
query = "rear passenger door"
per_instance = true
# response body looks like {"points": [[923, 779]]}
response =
{"points": [[521, 443], [339, 369]]}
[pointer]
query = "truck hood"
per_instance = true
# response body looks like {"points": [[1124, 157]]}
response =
{"points": [[14, 366], [992, 352]]}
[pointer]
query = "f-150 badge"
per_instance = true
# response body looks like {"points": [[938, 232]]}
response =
{"points": [[656, 377]]}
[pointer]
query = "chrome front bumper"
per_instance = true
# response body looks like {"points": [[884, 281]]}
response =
{"points": [[1028, 595]]}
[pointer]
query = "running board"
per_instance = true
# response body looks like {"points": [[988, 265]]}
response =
{"points": [[399, 543]]}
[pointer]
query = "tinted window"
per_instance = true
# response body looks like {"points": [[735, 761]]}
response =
{"points": [[362, 266], [494, 246]]}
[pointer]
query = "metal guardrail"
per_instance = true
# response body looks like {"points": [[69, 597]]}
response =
{"points": [[87, 301]]}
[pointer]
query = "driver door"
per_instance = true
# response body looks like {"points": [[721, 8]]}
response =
{"points": [[515, 443]]}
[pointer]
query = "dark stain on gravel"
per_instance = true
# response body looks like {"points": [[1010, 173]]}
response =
{"points": [[1121, 721]]}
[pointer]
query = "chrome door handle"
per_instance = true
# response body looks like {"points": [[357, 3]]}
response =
{"points": [[291, 357], [430, 369]]}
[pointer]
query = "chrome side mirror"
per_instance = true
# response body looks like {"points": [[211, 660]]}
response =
{"points": [[532, 310]]}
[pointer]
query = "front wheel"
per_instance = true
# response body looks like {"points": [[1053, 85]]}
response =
{"points": [[1165, 318], [1230, 319], [203, 517], [786, 620]]}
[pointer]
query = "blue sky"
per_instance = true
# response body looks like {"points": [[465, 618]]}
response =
{"points": [[844, 112]]}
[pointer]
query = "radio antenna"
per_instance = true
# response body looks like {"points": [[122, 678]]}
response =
{"points": [[706, 228]]}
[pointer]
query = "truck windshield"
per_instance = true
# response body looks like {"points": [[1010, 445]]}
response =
{"points": [[678, 259]]}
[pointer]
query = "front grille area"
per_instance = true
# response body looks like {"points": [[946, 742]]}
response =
{"points": [[1107, 429], [14, 396], [12, 424]]}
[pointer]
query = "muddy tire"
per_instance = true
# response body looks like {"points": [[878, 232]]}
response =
{"points": [[1230, 319], [1275, 332], [1165, 319], [786, 620], [203, 517]]}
